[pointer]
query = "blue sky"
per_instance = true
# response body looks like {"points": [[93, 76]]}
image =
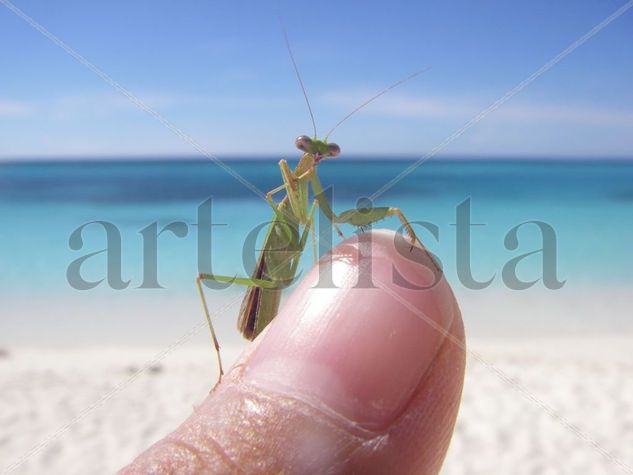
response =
{"points": [[220, 72]]}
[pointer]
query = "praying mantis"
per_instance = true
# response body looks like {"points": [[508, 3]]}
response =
{"points": [[291, 224]]}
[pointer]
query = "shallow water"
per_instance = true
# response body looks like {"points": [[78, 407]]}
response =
{"points": [[587, 204]]}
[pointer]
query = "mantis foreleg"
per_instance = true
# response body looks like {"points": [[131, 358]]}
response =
{"points": [[324, 204]]}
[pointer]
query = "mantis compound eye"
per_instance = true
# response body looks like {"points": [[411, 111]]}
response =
{"points": [[333, 150], [303, 143]]}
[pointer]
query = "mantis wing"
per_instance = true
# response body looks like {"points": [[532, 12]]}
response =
{"points": [[275, 264]]}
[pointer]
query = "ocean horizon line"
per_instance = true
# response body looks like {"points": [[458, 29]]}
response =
{"points": [[175, 158]]}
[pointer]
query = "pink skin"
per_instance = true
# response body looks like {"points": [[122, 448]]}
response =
{"points": [[349, 377]]}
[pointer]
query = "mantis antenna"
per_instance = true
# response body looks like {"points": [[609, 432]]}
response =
{"points": [[373, 98], [296, 68]]}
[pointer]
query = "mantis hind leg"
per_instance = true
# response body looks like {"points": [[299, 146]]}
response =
{"points": [[207, 314]]}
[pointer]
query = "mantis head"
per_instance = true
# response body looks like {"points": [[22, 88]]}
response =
{"points": [[319, 149]]}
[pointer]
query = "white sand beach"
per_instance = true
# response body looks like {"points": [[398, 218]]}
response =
{"points": [[530, 406]]}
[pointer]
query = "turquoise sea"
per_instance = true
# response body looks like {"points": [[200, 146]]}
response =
{"points": [[587, 204]]}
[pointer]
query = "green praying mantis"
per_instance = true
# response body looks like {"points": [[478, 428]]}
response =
{"points": [[291, 224]]}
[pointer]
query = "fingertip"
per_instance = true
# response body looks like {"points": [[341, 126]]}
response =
{"points": [[353, 375], [359, 332]]}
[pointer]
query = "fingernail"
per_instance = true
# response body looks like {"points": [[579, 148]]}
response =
{"points": [[360, 351]]}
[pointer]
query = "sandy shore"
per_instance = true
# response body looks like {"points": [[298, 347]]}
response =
{"points": [[529, 406]]}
